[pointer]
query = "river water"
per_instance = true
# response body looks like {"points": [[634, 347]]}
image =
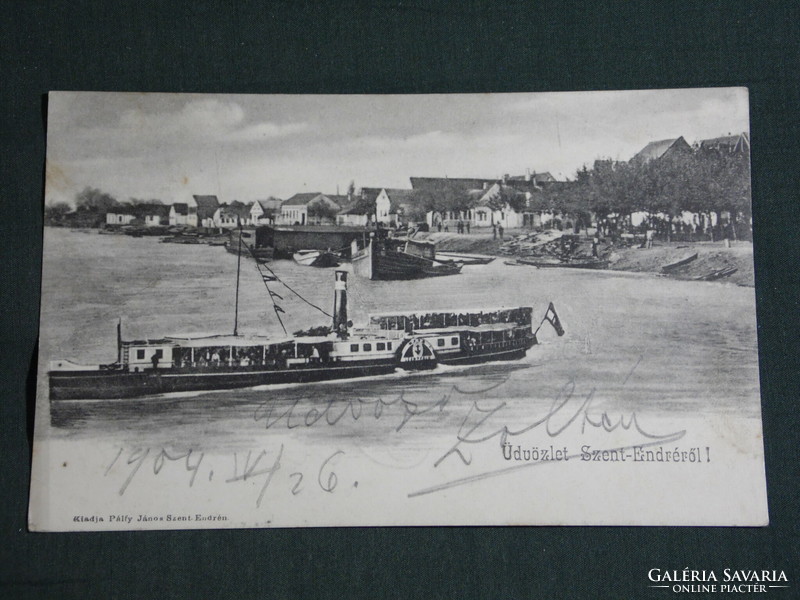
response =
{"points": [[640, 341], [669, 352]]}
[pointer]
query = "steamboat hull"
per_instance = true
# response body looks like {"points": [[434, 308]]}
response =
{"points": [[481, 356], [107, 385]]}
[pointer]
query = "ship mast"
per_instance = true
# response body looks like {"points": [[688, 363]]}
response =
{"points": [[238, 270]]}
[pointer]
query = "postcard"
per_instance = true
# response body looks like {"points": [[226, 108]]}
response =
{"points": [[332, 310]]}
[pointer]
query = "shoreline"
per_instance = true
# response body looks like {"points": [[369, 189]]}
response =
{"points": [[711, 256]]}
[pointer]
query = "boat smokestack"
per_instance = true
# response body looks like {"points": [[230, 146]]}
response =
{"points": [[340, 304]]}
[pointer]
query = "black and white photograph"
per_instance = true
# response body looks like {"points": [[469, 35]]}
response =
{"points": [[446, 309]]}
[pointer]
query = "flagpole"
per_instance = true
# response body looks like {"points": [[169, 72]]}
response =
{"points": [[238, 269]]}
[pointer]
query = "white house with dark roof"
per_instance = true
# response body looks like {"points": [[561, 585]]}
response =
{"points": [[179, 214], [120, 216], [295, 210], [265, 212], [156, 215], [355, 215], [231, 216], [194, 211], [206, 207], [391, 204], [481, 195]]}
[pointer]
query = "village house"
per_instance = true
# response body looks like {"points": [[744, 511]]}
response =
{"points": [[179, 214], [533, 218], [356, 215], [446, 189], [486, 198], [231, 216], [265, 212], [732, 144], [503, 215], [156, 215], [295, 210], [400, 204], [120, 216], [662, 148], [391, 204], [376, 205], [206, 207], [194, 211]]}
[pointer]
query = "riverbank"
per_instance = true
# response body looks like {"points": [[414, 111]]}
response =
{"points": [[711, 256]]}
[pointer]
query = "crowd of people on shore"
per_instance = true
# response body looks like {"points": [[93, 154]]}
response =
{"points": [[465, 227]]}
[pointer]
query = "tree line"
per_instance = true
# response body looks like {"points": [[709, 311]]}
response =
{"points": [[704, 181], [91, 206]]}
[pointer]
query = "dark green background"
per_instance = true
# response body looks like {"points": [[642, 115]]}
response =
{"points": [[399, 47]]}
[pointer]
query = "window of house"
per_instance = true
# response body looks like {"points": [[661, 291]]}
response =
{"points": [[388, 345], [159, 353], [454, 341], [367, 347], [380, 346], [140, 354], [353, 347], [440, 342]]}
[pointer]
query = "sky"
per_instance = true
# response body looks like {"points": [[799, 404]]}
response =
{"points": [[248, 147]]}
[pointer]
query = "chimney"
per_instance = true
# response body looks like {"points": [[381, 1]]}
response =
{"points": [[340, 304], [528, 175]]}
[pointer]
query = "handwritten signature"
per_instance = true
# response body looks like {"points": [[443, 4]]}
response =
{"points": [[569, 411], [565, 411]]}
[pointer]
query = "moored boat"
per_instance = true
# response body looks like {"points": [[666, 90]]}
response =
{"points": [[404, 340], [316, 258], [399, 258], [668, 268], [568, 263], [464, 258], [717, 274]]}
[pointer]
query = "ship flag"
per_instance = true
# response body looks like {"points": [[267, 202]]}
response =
{"points": [[552, 317]]}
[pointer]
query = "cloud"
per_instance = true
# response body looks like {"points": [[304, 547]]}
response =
{"points": [[264, 131], [196, 118], [141, 130]]}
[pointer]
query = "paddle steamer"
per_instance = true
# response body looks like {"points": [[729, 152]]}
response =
{"points": [[404, 340]]}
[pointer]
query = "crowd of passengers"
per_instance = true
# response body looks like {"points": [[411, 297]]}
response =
{"points": [[435, 320], [246, 356], [215, 356]]}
